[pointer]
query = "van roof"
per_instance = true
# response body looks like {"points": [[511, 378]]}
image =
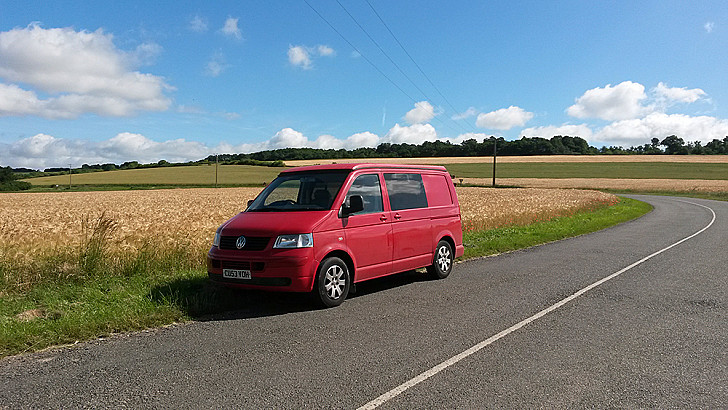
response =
{"points": [[355, 166]]}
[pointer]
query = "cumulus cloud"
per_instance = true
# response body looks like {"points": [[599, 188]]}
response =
{"points": [[298, 56], [216, 65], [302, 56], [470, 112], [621, 102], [413, 134], [79, 71], [660, 125], [572, 130], [504, 118], [198, 24], [683, 95], [709, 26], [231, 29], [423, 112], [43, 151], [325, 51]]}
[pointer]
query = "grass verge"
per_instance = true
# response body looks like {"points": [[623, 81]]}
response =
{"points": [[98, 293], [499, 240]]}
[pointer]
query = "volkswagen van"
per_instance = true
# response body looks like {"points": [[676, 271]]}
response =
{"points": [[324, 228]]}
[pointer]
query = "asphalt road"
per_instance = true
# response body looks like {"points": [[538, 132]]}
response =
{"points": [[656, 335]]}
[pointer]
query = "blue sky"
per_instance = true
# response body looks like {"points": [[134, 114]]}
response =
{"points": [[96, 82]]}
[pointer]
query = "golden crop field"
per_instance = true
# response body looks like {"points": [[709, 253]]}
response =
{"points": [[679, 185], [40, 222]]}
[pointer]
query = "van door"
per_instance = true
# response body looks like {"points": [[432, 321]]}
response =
{"points": [[369, 232], [411, 225]]}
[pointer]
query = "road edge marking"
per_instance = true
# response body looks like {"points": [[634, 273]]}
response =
{"points": [[460, 356]]}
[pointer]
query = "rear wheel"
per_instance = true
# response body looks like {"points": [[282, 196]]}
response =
{"points": [[442, 261], [332, 282]]}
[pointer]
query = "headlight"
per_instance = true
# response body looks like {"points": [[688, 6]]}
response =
{"points": [[303, 240], [216, 240]]}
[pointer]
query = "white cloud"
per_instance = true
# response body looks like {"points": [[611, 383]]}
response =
{"points": [[288, 138], [709, 26], [660, 125], [325, 51], [621, 102], [423, 112], [470, 112], [302, 56], [198, 24], [216, 65], [413, 134], [230, 28], [298, 56], [504, 118], [683, 95], [572, 130], [81, 72], [362, 139]]}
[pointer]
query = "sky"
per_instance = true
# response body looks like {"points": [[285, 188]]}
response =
{"points": [[99, 82]]}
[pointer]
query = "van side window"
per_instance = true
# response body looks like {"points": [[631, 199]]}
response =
{"points": [[368, 187], [406, 191]]}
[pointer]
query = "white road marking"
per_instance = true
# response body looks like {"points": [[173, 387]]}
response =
{"points": [[451, 361]]}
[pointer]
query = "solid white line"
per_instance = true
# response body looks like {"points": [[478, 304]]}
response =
{"points": [[451, 361]]}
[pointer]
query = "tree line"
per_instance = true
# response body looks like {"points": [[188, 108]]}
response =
{"points": [[557, 145]]}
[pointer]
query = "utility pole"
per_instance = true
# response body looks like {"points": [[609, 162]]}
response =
{"points": [[216, 161], [69, 176], [495, 150]]}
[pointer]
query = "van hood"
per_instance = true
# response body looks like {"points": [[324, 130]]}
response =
{"points": [[273, 223]]}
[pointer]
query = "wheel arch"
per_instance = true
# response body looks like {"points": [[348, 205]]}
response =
{"points": [[338, 253]]}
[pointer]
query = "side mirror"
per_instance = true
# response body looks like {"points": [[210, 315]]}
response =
{"points": [[353, 204], [250, 202]]}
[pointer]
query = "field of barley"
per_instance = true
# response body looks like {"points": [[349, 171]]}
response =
{"points": [[43, 223]]}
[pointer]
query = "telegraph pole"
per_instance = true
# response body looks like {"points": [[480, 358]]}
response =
{"points": [[69, 176], [495, 150], [216, 161]]}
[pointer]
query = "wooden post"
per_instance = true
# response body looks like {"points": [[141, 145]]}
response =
{"points": [[495, 143]]}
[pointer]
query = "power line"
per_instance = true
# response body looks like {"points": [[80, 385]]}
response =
{"points": [[357, 50], [413, 61], [367, 59], [390, 58]]}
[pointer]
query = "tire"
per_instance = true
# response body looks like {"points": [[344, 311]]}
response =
{"points": [[332, 282], [442, 261]]}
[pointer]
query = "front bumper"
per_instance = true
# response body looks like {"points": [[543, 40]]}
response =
{"points": [[290, 270]]}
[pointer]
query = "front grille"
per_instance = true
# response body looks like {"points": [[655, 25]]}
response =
{"points": [[244, 265], [252, 243]]}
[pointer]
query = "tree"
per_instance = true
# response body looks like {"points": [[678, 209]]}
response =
{"points": [[674, 145]]}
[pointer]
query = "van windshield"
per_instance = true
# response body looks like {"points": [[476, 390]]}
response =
{"points": [[306, 191]]}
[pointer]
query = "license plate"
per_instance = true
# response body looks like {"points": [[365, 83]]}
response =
{"points": [[236, 274]]}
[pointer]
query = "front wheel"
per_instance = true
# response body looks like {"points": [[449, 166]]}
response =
{"points": [[442, 261], [332, 282]]}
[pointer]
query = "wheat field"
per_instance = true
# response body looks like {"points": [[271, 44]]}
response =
{"points": [[33, 222]]}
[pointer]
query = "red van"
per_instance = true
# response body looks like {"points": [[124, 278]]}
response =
{"points": [[322, 228]]}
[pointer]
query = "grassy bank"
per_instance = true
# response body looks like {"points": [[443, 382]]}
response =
{"points": [[82, 293]]}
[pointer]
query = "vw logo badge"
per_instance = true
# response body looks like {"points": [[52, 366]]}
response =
{"points": [[240, 242]]}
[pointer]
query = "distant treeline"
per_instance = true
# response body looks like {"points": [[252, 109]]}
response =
{"points": [[557, 145]]}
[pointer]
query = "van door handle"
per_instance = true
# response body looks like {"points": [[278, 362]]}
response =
{"points": [[383, 218], [397, 216]]}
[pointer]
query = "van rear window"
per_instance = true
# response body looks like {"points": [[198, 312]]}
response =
{"points": [[405, 191]]}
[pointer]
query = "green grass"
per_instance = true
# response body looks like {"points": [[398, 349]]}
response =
{"points": [[228, 175], [89, 292], [494, 241], [716, 196], [632, 170]]}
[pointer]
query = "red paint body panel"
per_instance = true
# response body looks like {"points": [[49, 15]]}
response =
{"points": [[377, 243]]}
